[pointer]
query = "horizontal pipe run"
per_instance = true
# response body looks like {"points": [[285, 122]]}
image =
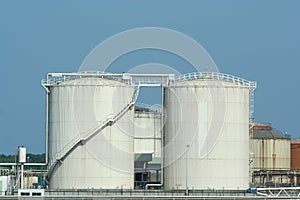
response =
{"points": [[26, 164]]}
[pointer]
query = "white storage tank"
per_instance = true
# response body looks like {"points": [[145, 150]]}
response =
{"points": [[3, 185], [6, 185], [76, 108], [206, 134]]}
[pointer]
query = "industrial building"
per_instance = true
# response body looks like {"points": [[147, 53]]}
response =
{"points": [[295, 160], [295, 154], [147, 145], [271, 156]]}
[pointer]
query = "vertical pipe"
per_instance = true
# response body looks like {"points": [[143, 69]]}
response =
{"points": [[161, 144], [251, 153], [295, 179], [41, 175], [16, 167], [22, 175], [274, 154], [162, 137], [186, 171], [154, 131], [263, 153], [46, 127]]}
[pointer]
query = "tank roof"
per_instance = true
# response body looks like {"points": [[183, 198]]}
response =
{"points": [[269, 134], [91, 81], [213, 78]]}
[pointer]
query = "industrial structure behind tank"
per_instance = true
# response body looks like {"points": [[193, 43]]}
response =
{"points": [[202, 136]]}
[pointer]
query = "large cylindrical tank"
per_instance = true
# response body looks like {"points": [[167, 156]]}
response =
{"points": [[206, 134], [76, 108]]}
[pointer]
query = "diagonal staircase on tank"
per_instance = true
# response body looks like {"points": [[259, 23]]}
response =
{"points": [[93, 132]]}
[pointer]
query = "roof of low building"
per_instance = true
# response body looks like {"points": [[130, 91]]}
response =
{"points": [[266, 131], [269, 134]]}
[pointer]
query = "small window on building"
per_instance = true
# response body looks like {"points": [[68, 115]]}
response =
{"points": [[36, 194], [25, 194]]}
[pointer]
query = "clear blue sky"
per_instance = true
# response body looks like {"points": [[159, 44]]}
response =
{"points": [[257, 40]]}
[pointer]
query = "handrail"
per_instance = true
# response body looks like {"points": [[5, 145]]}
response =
{"points": [[215, 76], [94, 132], [279, 192], [148, 79]]}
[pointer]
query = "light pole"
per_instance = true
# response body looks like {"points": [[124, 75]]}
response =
{"points": [[186, 171]]}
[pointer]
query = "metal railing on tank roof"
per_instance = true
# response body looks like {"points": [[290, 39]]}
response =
{"points": [[146, 79], [216, 76], [54, 78]]}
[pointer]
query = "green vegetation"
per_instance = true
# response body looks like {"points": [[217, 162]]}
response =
{"points": [[31, 158]]}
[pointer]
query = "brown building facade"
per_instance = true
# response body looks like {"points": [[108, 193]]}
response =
{"points": [[295, 154]]}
